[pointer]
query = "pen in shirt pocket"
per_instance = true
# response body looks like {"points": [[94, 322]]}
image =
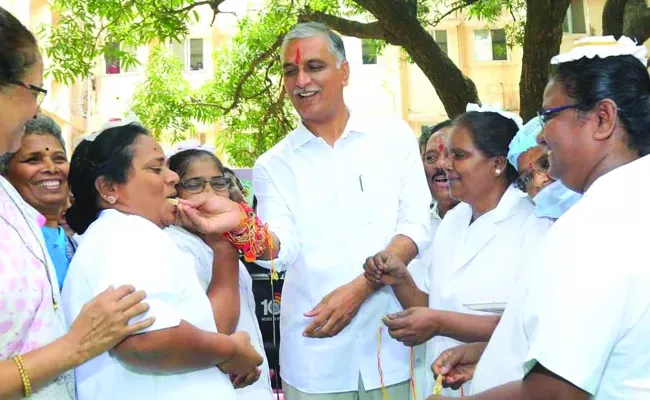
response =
{"points": [[361, 182]]}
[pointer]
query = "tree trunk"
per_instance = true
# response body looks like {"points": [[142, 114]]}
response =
{"points": [[613, 17], [637, 20], [542, 39], [402, 28]]}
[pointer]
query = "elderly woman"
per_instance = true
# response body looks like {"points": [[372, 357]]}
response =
{"points": [[477, 246], [562, 338], [121, 186], [37, 353], [39, 172]]}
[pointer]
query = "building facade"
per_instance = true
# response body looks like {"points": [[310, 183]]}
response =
{"points": [[396, 86]]}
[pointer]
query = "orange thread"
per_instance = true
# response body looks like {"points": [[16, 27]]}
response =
{"points": [[412, 369], [384, 392]]}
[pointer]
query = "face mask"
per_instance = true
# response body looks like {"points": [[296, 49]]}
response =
{"points": [[554, 200]]}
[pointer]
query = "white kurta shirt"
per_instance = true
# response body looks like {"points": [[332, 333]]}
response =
{"points": [[332, 207], [127, 249], [203, 257], [585, 315], [479, 263]]}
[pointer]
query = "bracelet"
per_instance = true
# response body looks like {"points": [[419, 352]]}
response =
{"points": [[27, 385], [252, 237]]}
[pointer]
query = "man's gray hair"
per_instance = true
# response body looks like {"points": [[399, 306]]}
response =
{"points": [[41, 125], [310, 29]]}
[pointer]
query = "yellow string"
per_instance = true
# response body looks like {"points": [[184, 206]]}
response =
{"points": [[412, 371], [274, 273], [437, 389], [384, 392]]}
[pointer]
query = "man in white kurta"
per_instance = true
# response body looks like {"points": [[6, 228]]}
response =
{"points": [[331, 203]]}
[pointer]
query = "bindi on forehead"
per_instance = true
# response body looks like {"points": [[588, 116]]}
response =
{"points": [[298, 57]]}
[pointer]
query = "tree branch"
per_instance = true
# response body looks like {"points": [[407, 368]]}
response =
{"points": [[213, 3], [458, 7], [372, 30]]}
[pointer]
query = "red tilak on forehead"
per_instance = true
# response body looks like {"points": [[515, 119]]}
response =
{"points": [[530, 165], [441, 146], [298, 58]]}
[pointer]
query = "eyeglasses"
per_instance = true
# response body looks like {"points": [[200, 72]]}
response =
{"points": [[547, 114], [197, 185], [525, 180], [38, 91]]}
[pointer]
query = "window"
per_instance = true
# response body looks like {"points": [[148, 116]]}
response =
{"points": [[114, 65], [490, 45], [368, 52], [440, 37], [190, 53], [574, 22]]}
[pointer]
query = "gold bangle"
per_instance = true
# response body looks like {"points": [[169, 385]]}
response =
{"points": [[27, 385]]}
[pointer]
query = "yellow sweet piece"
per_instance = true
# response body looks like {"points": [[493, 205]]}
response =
{"points": [[437, 389], [174, 201]]}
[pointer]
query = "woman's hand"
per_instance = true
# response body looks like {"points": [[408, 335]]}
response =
{"points": [[243, 380], [214, 215], [457, 365], [412, 327], [104, 322], [244, 358], [384, 268]]}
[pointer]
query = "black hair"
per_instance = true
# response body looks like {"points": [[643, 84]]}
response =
{"points": [[491, 133], [430, 131], [622, 79], [236, 180], [180, 161], [110, 156], [18, 49]]}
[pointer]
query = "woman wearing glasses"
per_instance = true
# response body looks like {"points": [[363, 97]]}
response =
{"points": [[477, 248], [225, 279], [37, 353]]}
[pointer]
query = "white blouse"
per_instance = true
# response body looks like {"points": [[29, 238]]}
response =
{"points": [[126, 249], [203, 257], [479, 262]]}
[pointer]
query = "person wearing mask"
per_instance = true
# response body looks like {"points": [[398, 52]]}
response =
{"points": [[564, 339], [37, 352], [551, 197], [39, 172], [477, 246], [122, 186]]}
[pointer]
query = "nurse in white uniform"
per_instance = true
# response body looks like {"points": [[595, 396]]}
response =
{"points": [[580, 329], [120, 182], [552, 199], [225, 279], [477, 246]]}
